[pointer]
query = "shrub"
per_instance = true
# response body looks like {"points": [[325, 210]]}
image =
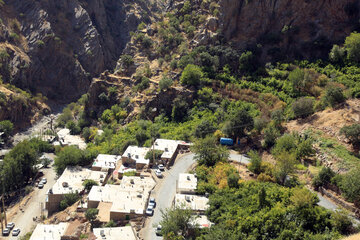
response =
{"points": [[127, 60], [154, 153], [165, 83], [69, 199], [191, 75], [74, 129], [7, 127], [233, 180], [204, 128], [303, 107], [352, 46], [323, 178], [255, 162], [334, 96], [350, 185], [89, 183], [352, 133]]}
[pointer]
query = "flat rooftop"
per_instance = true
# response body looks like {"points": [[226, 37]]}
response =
{"points": [[202, 221], [168, 146], [73, 177], [106, 161], [130, 196], [115, 233], [137, 153], [67, 139], [187, 182], [193, 202], [49, 232]]}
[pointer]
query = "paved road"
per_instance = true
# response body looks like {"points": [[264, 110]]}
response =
{"points": [[239, 158], [164, 193], [23, 220]]}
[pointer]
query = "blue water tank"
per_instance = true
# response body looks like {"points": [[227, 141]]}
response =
{"points": [[226, 141]]}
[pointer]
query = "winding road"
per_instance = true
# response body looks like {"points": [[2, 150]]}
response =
{"points": [[164, 194]]}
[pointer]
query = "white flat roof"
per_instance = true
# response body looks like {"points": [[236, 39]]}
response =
{"points": [[137, 154], [106, 161], [130, 195], [168, 146], [193, 202], [67, 139], [49, 232], [115, 233], [74, 177], [202, 222], [187, 182]]}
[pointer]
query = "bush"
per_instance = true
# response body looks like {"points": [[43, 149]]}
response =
{"points": [[165, 83], [303, 107], [69, 199], [334, 96], [352, 133], [204, 128], [191, 75], [89, 183], [323, 178], [233, 180], [350, 185], [154, 153], [127, 60], [7, 128], [144, 84], [74, 129], [352, 46], [70, 156], [271, 133], [255, 162]]}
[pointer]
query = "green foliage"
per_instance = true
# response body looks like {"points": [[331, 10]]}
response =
{"points": [[179, 110], [271, 133], [91, 214], [285, 165], [127, 60], [350, 185], [153, 153], [89, 183], [71, 156], [204, 128], [144, 84], [352, 133], [65, 116], [130, 173], [73, 127], [176, 222], [334, 96], [303, 107], [7, 127], [207, 151], [352, 46], [110, 224], [266, 211], [141, 26], [255, 162], [238, 123], [247, 62], [337, 54], [341, 222], [191, 75], [165, 83], [233, 180], [296, 78], [69, 199], [294, 143]]}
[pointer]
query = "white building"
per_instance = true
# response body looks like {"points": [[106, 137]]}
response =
{"points": [[49, 232], [196, 203], [135, 155], [170, 149], [105, 162], [116, 233], [187, 183]]}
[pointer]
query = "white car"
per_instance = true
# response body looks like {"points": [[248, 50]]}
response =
{"points": [[16, 232], [158, 230], [150, 211], [10, 225], [161, 167], [158, 173], [41, 185], [44, 181], [6, 232], [152, 202]]}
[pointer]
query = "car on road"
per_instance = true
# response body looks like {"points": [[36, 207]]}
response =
{"points": [[158, 173], [158, 230], [44, 181], [40, 185], [152, 202], [6, 232], [16, 232], [10, 225], [150, 211], [161, 167]]}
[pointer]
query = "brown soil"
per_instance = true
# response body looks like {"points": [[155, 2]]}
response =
{"points": [[243, 171]]}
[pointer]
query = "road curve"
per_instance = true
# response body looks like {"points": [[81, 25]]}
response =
{"points": [[164, 193]]}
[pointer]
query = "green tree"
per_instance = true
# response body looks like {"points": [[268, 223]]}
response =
{"points": [[91, 214], [7, 127], [180, 109], [247, 62], [176, 222], [271, 133], [296, 77], [352, 46], [262, 198], [342, 223], [255, 162], [110, 224], [352, 133], [127, 60], [334, 96], [233, 180], [350, 185], [191, 75], [74, 129], [207, 152], [323, 178], [337, 55], [303, 107], [165, 83], [69, 156], [204, 128], [285, 165], [69, 199], [45, 162], [89, 183], [154, 153], [239, 123]]}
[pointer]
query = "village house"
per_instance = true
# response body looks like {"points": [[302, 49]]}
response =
{"points": [[105, 163], [186, 184], [115, 233]]}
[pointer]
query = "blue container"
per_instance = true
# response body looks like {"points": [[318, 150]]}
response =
{"points": [[226, 141]]}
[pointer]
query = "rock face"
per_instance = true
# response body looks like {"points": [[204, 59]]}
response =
{"points": [[61, 45], [287, 29]]}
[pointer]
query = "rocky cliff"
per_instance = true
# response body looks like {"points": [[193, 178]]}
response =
{"points": [[56, 47], [288, 29]]}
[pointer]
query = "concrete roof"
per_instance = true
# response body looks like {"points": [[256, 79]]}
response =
{"points": [[194, 202], [168, 146], [202, 221], [137, 153], [115, 233], [130, 195], [106, 161], [49, 232], [74, 177], [67, 139], [187, 182]]}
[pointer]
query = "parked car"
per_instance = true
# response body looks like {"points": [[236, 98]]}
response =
{"points": [[16, 232], [150, 211], [161, 167], [158, 230], [44, 181], [158, 173], [40, 185], [6, 232], [10, 225], [152, 202]]}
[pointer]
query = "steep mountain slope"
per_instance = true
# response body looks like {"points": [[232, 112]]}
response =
{"points": [[289, 29]]}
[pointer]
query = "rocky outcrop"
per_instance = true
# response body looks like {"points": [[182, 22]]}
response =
{"points": [[287, 29], [63, 44]]}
